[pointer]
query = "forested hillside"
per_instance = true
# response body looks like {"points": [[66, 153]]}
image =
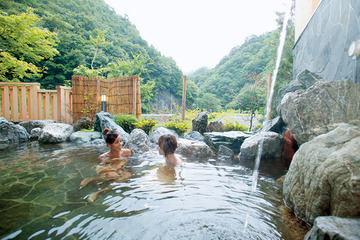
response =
{"points": [[229, 84], [78, 25], [87, 37]]}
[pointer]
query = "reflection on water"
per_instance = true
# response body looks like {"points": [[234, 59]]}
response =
{"points": [[39, 198]]}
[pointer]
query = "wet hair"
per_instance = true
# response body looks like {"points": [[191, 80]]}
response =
{"points": [[167, 143], [110, 135]]}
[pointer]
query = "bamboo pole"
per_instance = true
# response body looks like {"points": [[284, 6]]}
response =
{"points": [[184, 99]]}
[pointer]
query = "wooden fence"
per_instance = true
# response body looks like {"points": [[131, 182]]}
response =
{"points": [[26, 101], [122, 96]]}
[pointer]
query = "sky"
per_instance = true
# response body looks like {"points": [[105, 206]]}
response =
{"points": [[199, 33]]}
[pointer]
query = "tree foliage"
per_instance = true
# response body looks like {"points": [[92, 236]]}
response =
{"points": [[23, 45], [92, 35]]}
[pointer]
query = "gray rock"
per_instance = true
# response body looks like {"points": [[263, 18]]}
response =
{"points": [[83, 123], [35, 133], [196, 149], [30, 125], [195, 136], [232, 139], [276, 125], [312, 112], [271, 146], [199, 123], [2, 119], [324, 176], [225, 154], [303, 81], [334, 228], [139, 141], [154, 135], [12, 133], [98, 142], [56, 133], [98, 117], [85, 137], [105, 120]]}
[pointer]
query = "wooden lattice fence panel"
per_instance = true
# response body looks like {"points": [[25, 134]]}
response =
{"points": [[122, 96]]}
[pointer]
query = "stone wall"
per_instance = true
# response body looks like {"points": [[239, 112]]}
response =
{"points": [[323, 46]]}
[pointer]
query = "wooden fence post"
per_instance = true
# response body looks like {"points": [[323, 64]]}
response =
{"points": [[134, 82]]}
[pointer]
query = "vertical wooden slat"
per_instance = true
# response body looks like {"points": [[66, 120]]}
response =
{"points": [[33, 102], [6, 103], [14, 104], [54, 107], [23, 107], [47, 105], [40, 106], [60, 106]]}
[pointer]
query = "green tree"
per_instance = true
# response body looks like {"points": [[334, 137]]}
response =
{"points": [[251, 97], [23, 45], [210, 102]]}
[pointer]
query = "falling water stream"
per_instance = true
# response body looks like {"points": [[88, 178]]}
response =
{"points": [[268, 106], [278, 58]]}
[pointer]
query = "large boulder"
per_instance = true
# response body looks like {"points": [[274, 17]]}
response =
{"points": [[270, 142], [56, 133], [199, 123], [105, 120], [303, 81], [154, 135], [231, 139], [83, 123], [324, 176], [139, 141], [194, 135], [85, 137], [313, 112], [334, 228], [12, 133], [30, 125], [194, 149]]}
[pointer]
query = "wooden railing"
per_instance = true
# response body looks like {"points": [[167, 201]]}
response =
{"points": [[26, 101]]}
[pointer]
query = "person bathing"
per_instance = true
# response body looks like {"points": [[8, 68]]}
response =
{"points": [[111, 166]]}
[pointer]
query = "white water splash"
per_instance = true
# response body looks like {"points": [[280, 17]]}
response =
{"points": [[278, 59]]}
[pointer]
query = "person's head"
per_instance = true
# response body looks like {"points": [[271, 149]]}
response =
{"points": [[167, 144], [112, 138]]}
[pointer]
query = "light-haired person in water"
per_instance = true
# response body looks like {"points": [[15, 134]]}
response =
{"points": [[111, 166], [167, 146]]}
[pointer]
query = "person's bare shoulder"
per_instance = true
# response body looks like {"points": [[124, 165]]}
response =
{"points": [[104, 155], [125, 152]]}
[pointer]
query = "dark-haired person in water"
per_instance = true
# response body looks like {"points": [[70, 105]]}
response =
{"points": [[111, 165], [167, 146]]}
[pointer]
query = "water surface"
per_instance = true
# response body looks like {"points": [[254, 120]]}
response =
{"points": [[39, 198]]}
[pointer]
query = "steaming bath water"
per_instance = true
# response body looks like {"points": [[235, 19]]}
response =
{"points": [[39, 198]]}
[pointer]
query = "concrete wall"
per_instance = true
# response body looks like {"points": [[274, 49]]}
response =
{"points": [[323, 45]]}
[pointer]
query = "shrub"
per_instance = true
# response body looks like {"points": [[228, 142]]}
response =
{"points": [[229, 126], [146, 124], [126, 122], [180, 127]]}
